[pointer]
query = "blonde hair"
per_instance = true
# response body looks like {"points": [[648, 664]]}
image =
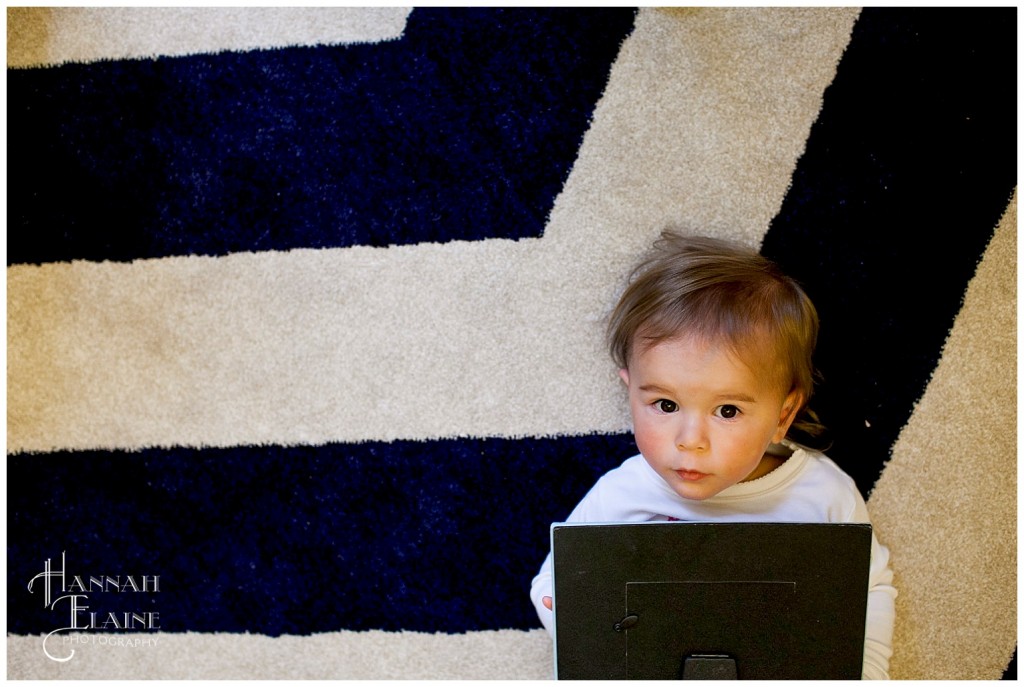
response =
{"points": [[719, 291]]}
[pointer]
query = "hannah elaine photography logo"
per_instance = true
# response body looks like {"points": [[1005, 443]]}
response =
{"points": [[73, 596]]}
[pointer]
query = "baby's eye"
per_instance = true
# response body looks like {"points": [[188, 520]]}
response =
{"points": [[728, 412], [666, 406]]}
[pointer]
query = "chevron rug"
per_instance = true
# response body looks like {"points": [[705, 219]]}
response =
{"points": [[305, 312]]}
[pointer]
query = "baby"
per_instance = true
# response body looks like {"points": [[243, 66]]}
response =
{"points": [[714, 344]]}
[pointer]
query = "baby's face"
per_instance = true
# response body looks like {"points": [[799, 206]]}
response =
{"points": [[702, 418]]}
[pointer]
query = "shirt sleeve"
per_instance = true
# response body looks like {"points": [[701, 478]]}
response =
{"points": [[607, 501], [881, 610]]}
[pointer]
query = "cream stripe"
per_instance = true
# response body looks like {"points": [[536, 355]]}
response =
{"points": [[946, 504], [38, 36], [491, 655], [704, 117]]}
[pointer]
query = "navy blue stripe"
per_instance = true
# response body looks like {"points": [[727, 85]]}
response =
{"points": [[440, 536], [466, 128], [905, 175]]}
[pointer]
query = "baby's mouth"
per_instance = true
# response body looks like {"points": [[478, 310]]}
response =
{"points": [[690, 475]]}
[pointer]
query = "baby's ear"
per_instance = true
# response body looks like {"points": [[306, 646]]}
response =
{"points": [[790, 407], [624, 376]]}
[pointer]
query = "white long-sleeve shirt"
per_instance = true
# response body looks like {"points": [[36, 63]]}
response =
{"points": [[808, 487]]}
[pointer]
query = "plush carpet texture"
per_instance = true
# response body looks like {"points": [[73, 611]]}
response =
{"points": [[305, 313]]}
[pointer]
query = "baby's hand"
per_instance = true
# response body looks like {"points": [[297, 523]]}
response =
{"points": [[547, 602]]}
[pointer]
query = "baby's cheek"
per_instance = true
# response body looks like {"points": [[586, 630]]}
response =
{"points": [[647, 441]]}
